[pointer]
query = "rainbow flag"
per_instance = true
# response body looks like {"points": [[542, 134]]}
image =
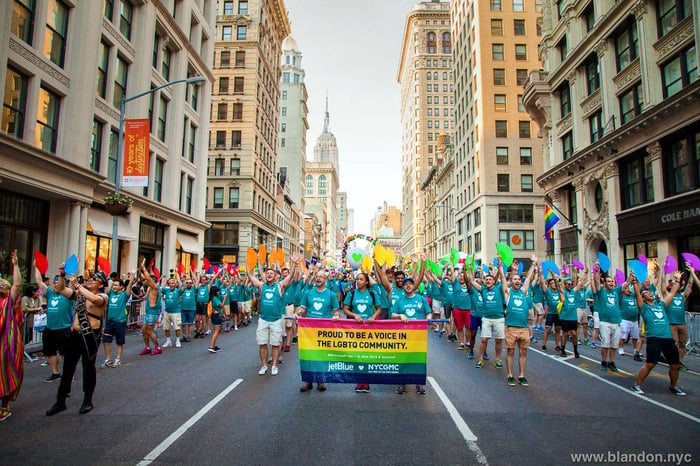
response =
{"points": [[550, 219], [383, 352]]}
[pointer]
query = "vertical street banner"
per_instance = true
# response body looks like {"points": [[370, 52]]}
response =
{"points": [[343, 351], [136, 137]]}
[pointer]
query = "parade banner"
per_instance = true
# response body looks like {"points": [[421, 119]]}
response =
{"points": [[136, 138], [343, 351]]}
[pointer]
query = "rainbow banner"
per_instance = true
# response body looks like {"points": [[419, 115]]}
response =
{"points": [[343, 351], [550, 219]]}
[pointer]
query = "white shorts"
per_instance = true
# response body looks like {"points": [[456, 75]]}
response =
{"points": [[269, 332], [172, 320], [531, 315], [596, 319], [539, 308], [437, 307], [609, 335], [629, 328], [582, 314], [247, 306], [493, 328]]}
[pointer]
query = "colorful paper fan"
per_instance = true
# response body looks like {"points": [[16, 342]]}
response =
{"points": [[692, 259], [521, 267], [549, 266], [207, 265], [71, 265], [380, 254], [506, 253], [671, 265], [643, 259], [104, 265], [367, 264], [454, 256], [640, 270], [251, 259], [180, 268], [193, 265], [604, 262], [578, 264], [619, 277], [156, 272], [262, 254], [280, 257], [390, 257], [272, 257], [41, 262]]}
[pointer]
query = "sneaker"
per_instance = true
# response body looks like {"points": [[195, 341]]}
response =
{"points": [[117, 363], [683, 368], [227, 330], [557, 348], [106, 363], [401, 389], [638, 357], [274, 370], [593, 345], [5, 413], [262, 370], [461, 346], [212, 350], [604, 366], [576, 353], [420, 389], [613, 367], [52, 378], [208, 332], [440, 334], [294, 339], [498, 364], [45, 363], [511, 381], [145, 350], [479, 364], [485, 357], [677, 391], [533, 340], [470, 355], [167, 344], [637, 389], [306, 387], [177, 343], [544, 347], [321, 387], [621, 351], [156, 350], [365, 388], [358, 388], [523, 381], [217, 348], [235, 328], [286, 348]]}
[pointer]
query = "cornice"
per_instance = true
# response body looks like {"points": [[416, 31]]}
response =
{"points": [[631, 74], [677, 38]]}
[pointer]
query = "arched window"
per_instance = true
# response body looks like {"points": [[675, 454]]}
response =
{"points": [[322, 185], [446, 42], [432, 44], [309, 185]]}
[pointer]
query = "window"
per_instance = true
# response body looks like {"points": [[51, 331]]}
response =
{"points": [[238, 111], [626, 44], [126, 14], [501, 156], [679, 72], [567, 145], [233, 194], [189, 182], [592, 74], [285, 78], [96, 145], [162, 118], [521, 106], [520, 77], [560, 9], [518, 5], [595, 126], [194, 92], [225, 61], [573, 210], [499, 102], [588, 15], [283, 128], [477, 241], [240, 59], [322, 185], [220, 139], [501, 128], [526, 184], [564, 100], [495, 5], [218, 198], [241, 32], [226, 33], [243, 7], [235, 167], [638, 181], [446, 42], [477, 217], [520, 52], [519, 27], [496, 27], [524, 129], [112, 157], [499, 77], [671, 12], [503, 182], [283, 111], [238, 85], [102, 61], [235, 139], [47, 114], [223, 85], [631, 103], [681, 158], [516, 213], [191, 143], [165, 64], [23, 20], [56, 29], [525, 156], [14, 103], [497, 52], [518, 239], [221, 111], [563, 48], [431, 42], [228, 7], [120, 78], [309, 185], [158, 180]]}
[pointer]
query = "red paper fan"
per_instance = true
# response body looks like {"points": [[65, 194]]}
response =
{"points": [[104, 265], [41, 262]]}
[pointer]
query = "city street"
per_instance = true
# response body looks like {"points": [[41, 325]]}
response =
{"points": [[188, 406]]}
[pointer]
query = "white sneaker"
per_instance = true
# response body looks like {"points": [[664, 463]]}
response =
{"points": [[177, 343], [236, 327], [262, 370], [167, 343], [621, 352], [274, 370], [208, 332]]}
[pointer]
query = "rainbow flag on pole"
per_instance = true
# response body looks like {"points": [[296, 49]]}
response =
{"points": [[550, 219], [383, 352]]}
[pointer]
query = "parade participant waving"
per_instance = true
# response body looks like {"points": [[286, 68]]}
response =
{"points": [[552, 299], [115, 327], [516, 323], [11, 346], [492, 321], [568, 319], [153, 311], [608, 297]]}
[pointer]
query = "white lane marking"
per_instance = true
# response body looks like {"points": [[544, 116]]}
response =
{"points": [[625, 389], [459, 422], [172, 438]]}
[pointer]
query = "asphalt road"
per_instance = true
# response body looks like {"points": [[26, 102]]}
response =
{"points": [[188, 406]]}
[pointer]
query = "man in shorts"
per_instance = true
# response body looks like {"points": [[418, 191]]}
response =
{"points": [[676, 312], [288, 301], [202, 302], [538, 305], [58, 322], [188, 308], [115, 327], [629, 327], [550, 292], [493, 320], [172, 318], [516, 323], [608, 297]]}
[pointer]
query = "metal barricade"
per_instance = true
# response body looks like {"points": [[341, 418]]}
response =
{"points": [[136, 314], [33, 340], [692, 320]]}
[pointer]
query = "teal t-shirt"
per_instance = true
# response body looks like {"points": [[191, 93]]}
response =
{"points": [[171, 298], [223, 295], [656, 322], [381, 299], [517, 309], [188, 299], [288, 295], [609, 305], [461, 299], [537, 294], [676, 310], [116, 306], [568, 310], [320, 304], [203, 294], [396, 293], [271, 307], [233, 293], [478, 300], [414, 308], [446, 289], [493, 301], [628, 307], [217, 303], [153, 310], [360, 302], [58, 310], [433, 291], [552, 299]]}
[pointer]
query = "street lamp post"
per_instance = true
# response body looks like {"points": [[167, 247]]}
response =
{"points": [[120, 148]]}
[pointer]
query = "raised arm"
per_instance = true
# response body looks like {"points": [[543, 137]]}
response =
{"points": [[693, 279], [60, 287], [674, 289], [39, 279], [15, 291], [581, 281], [253, 279], [382, 277], [595, 283], [296, 257], [530, 274], [421, 272], [638, 293]]}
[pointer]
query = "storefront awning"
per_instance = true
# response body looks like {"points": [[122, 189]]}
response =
{"points": [[101, 224], [188, 243]]}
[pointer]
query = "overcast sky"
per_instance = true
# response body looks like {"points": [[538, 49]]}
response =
{"points": [[352, 49]]}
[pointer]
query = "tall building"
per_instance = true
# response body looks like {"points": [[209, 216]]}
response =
{"points": [[343, 231], [438, 190], [617, 103], [326, 148], [427, 107], [497, 153], [65, 68], [242, 184]]}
